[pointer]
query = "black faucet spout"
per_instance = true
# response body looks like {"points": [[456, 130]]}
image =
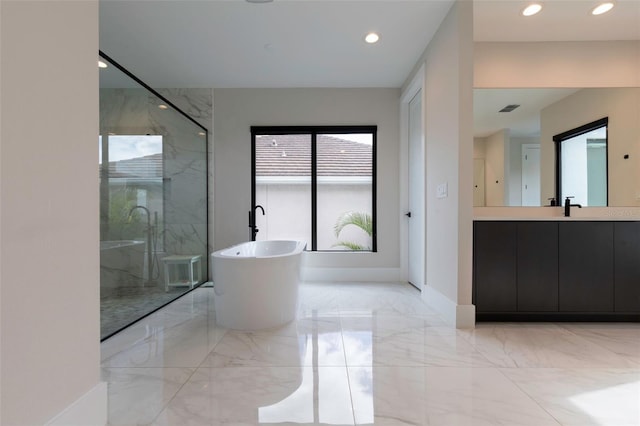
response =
{"points": [[252, 221], [568, 205]]}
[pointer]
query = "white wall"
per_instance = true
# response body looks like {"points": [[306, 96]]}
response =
{"points": [[622, 106], [557, 64], [236, 110], [285, 204], [49, 286], [448, 68]]}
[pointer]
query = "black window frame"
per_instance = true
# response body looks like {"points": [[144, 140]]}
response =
{"points": [[561, 137], [314, 131]]}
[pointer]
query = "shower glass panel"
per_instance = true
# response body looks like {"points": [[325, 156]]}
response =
{"points": [[153, 200]]}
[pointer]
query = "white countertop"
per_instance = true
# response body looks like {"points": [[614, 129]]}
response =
{"points": [[556, 214], [557, 218]]}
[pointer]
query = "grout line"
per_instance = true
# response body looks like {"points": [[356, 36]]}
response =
{"points": [[346, 366], [535, 401]]}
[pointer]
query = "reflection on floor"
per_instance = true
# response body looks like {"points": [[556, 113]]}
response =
{"points": [[369, 354], [127, 304]]}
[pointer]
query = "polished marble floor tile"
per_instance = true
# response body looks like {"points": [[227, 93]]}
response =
{"points": [[540, 345], [304, 342], [257, 396], [583, 397], [368, 354], [184, 345], [478, 396], [318, 298], [441, 396], [382, 299], [620, 338], [138, 395], [430, 346]]}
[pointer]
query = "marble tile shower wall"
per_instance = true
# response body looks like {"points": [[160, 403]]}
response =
{"points": [[198, 104], [135, 111]]}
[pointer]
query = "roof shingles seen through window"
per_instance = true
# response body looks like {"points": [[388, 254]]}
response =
{"points": [[290, 155]]}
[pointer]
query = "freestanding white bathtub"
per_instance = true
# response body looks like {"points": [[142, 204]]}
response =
{"points": [[256, 283]]}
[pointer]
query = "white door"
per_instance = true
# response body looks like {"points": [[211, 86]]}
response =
{"points": [[530, 175], [416, 194]]}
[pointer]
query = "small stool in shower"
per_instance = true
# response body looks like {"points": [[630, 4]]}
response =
{"points": [[172, 270]]}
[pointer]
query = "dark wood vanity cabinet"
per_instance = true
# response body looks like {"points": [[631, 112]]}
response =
{"points": [[586, 267], [495, 266], [554, 270], [537, 265], [627, 266]]}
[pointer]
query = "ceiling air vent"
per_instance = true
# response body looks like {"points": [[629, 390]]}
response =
{"points": [[509, 108]]}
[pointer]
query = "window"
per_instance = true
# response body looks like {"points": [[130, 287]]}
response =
{"points": [[315, 184], [581, 161]]}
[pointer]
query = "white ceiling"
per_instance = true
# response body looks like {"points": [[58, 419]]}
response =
{"points": [[287, 43], [319, 43], [559, 20]]}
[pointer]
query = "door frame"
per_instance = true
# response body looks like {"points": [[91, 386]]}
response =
{"points": [[523, 149], [416, 85]]}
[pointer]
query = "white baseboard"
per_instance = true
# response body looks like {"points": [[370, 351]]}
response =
{"points": [[351, 274], [460, 316], [88, 410], [465, 316]]}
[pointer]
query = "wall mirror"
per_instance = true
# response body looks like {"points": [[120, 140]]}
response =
{"points": [[581, 164], [515, 153]]}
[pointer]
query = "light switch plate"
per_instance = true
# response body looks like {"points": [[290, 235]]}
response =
{"points": [[442, 190]]}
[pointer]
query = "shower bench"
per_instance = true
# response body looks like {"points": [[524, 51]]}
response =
{"points": [[172, 264]]}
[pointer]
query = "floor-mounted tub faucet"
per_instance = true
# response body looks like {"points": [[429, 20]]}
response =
{"points": [[149, 241], [568, 205], [252, 221]]}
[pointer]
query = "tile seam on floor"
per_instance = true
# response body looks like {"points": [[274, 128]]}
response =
{"points": [[346, 366], [164, 407], [535, 401]]}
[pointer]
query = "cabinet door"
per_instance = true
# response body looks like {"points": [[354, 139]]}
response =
{"points": [[627, 266], [586, 267], [537, 266], [495, 266]]}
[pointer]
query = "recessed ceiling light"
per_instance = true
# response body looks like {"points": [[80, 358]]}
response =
{"points": [[532, 9], [102, 64], [162, 106], [372, 38], [602, 8]]}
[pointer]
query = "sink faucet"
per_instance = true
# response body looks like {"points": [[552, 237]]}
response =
{"points": [[568, 205], [252, 221]]}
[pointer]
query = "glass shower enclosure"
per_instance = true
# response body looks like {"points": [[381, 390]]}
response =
{"points": [[153, 199]]}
